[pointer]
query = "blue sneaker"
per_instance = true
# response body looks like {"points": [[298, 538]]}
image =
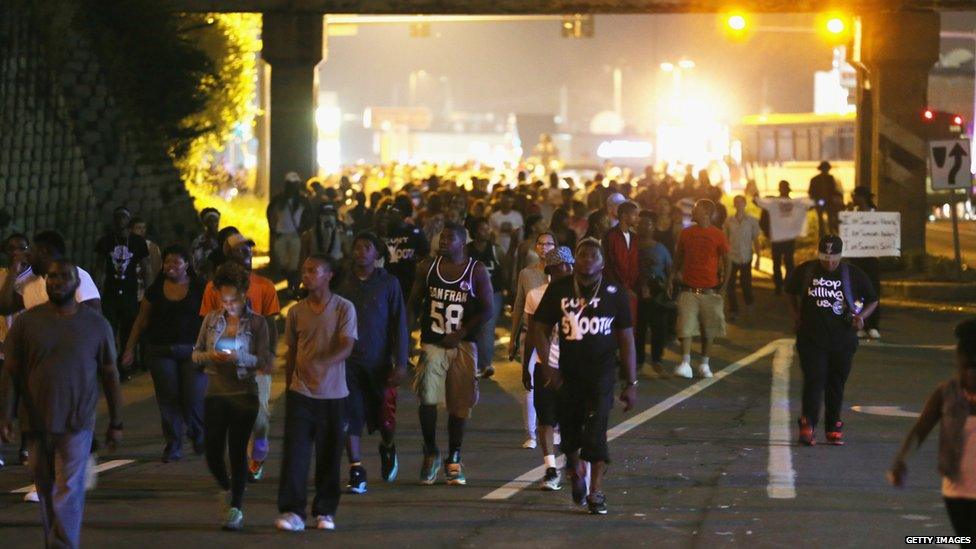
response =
{"points": [[357, 480], [454, 471], [390, 465], [432, 464]]}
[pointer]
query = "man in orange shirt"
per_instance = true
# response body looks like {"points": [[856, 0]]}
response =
{"points": [[263, 298], [702, 261]]}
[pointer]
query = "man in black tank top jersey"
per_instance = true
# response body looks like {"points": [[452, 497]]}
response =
{"points": [[454, 297]]}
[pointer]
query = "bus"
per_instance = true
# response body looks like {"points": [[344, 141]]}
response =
{"points": [[774, 147]]}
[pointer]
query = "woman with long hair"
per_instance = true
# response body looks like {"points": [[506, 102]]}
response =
{"points": [[232, 346]]}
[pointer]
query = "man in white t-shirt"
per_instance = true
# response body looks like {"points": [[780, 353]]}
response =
{"points": [[787, 222], [28, 289], [506, 223], [541, 402]]}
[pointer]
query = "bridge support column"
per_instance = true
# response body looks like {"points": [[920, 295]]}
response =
{"points": [[897, 72], [292, 45]]}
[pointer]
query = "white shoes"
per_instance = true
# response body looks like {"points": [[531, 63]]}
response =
{"points": [[325, 522], [861, 334], [873, 333], [529, 444], [683, 370], [32, 496], [290, 522], [704, 371]]}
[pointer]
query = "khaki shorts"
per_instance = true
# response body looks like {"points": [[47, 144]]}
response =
{"points": [[697, 312], [448, 375]]}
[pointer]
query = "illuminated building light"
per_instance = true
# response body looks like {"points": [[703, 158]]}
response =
{"points": [[622, 148]]}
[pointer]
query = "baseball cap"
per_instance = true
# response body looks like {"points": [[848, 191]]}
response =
{"points": [[615, 199], [236, 240], [830, 246], [557, 256]]}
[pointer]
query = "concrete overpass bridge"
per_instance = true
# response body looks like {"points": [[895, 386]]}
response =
{"points": [[894, 45]]}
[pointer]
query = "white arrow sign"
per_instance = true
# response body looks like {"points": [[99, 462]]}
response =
{"points": [[950, 162]]}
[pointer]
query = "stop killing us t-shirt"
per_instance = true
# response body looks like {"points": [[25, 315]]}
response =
{"points": [[587, 344], [824, 310]]}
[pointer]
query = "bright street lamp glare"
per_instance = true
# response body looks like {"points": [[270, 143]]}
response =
{"points": [[667, 67], [686, 64], [835, 25], [737, 22]]}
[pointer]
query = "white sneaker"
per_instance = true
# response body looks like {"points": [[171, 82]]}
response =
{"points": [[683, 370], [556, 437], [704, 371], [529, 444], [873, 333], [290, 522], [32, 496], [861, 334], [325, 522], [91, 475]]}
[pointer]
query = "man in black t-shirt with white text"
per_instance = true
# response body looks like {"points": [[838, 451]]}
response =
{"points": [[830, 300], [594, 321]]}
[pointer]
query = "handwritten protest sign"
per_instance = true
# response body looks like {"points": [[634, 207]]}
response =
{"points": [[871, 234]]}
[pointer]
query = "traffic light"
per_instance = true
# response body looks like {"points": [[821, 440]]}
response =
{"points": [[834, 27], [735, 25], [943, 125], [577, 26], [736, 22]]}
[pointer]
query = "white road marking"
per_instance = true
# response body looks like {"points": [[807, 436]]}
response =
{"points": [[522, 481], [100, 468], [893, 411], [782, 476]]}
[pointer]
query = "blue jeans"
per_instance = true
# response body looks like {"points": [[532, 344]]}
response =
{"points": [[57, 463], [486, 335], [180, 387]]}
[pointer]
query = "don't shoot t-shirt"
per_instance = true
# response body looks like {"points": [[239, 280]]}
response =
{"points": [[587, 344], [824, 310]]}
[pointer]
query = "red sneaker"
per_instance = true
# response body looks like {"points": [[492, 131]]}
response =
{"points": [[835, 434], [807, 437]]}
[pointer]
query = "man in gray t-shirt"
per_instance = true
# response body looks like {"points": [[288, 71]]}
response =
{"points": [[56, 353], [320, 332]]}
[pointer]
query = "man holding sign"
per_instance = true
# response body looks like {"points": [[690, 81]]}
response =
{"points": [[864, 202]]}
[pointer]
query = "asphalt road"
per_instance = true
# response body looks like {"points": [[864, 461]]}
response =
{"points": [[938, 240], [704, 463]]}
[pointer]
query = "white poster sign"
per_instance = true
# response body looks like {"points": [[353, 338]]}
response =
{"points": [[871, 234]]}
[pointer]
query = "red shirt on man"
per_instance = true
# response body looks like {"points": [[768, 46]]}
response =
{"points": [[702, 249]]}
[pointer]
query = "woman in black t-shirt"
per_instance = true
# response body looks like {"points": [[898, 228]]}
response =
{"points": [[168, 323]]}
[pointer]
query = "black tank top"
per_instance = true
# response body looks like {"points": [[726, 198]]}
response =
{"points": [[666, 237], [448, 303]]}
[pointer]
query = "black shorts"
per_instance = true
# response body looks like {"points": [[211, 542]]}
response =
{"points": [[584, 414], [546, 404], [364, 405]]}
